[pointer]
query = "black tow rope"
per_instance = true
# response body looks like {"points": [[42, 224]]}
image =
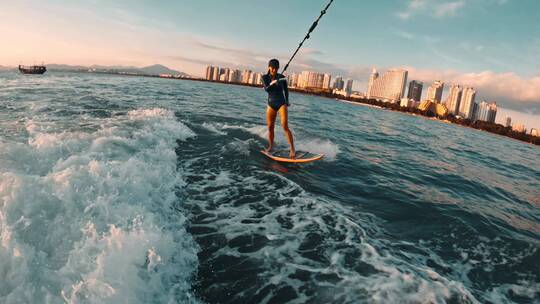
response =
{"points": [[313, 26]]}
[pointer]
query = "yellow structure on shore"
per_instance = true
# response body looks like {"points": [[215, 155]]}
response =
{"points": [[437, 108]]}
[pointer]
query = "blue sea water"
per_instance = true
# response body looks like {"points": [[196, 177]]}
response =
{"points": [[141, 190]]}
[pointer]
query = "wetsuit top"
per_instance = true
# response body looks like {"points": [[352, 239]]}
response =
{"points": [[278, 93]]}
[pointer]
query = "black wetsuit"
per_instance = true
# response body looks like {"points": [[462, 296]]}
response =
{"points": [[278, 93]]}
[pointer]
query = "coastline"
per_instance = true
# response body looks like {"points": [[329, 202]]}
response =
{"points": [[522, 137]]}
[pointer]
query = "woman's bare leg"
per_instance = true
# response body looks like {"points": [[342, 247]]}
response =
{"points": [[283, 111], [270, 122]]}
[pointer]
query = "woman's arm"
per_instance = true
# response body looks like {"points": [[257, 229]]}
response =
{"points": [[267, 83]]}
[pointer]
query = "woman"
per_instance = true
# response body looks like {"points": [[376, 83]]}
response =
{"points": [[278, 101]]}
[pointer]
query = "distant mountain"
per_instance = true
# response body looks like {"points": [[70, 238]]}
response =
{"points": [[155, 69], [5, 68]]}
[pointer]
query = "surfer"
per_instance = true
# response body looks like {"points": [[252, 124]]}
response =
{"points": [[278, 101]]}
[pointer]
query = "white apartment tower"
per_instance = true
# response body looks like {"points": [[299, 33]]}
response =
{"points": [[312, 80], [391, 85], [467, 103], [215, 73], [246, 75], [487, 111], [454, 99], [435, 91], [326, 81], [374, 75], [208, 74], [292, 80]]}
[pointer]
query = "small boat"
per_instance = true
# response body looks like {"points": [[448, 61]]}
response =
{"points": [[34, 69]]}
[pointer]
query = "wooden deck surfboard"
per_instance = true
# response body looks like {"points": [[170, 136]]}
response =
{"points": [[301, 156]]}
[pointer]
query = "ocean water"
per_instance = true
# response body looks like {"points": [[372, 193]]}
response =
{"points": [[140, 190]]}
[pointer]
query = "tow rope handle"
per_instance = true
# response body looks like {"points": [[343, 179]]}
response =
{"points": [[313, 26]]}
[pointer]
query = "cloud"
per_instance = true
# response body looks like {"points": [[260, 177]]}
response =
{"points": [[433, 8], [227, 56], [404, 34], [310, 51], [413, 7], [449, 9]]}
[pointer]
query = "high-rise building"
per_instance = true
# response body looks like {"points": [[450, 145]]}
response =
{"points": [[435, 91], [454, 99], [508, 121], [474, 115], [348, 87], [389, 86], [374, 75], [292, 80], [246, 76], [234, 75], [326, 81], [208, 74], [253, 78], [224, 74], [320, 81], [215, 73], [238, 76], [230, 77], [487, 111], [259, 79], [223, 77], [339, 84], [415, 90], [303, 79], [311, 80], [466, 106]]}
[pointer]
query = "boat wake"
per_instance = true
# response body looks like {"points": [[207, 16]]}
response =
{"points": [[92, 216]]}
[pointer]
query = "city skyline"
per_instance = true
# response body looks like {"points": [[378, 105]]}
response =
{"points": [[390, 87], [431, 39]]}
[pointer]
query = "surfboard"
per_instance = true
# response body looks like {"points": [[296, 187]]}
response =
{"points": [[300, 157]]}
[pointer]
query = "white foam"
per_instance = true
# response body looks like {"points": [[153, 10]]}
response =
{"points": [[394, 280], [313, 145], [86, 216], [318, 146], [214, 128]]}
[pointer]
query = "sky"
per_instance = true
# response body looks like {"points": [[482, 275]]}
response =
{"points": [[492, 45]]}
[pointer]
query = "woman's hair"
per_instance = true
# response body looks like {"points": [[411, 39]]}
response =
{"points": [[274, 63]]}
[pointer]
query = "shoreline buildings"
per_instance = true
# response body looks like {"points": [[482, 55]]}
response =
{"points": [[454, 99], [487, 111], [215, 73], [388, 87], [467, 103], [348, 87], [415, 90], [435, 90], [339, 84]]}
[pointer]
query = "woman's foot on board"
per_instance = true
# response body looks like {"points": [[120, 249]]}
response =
{"points": [[292, 154], [268, 149]]}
